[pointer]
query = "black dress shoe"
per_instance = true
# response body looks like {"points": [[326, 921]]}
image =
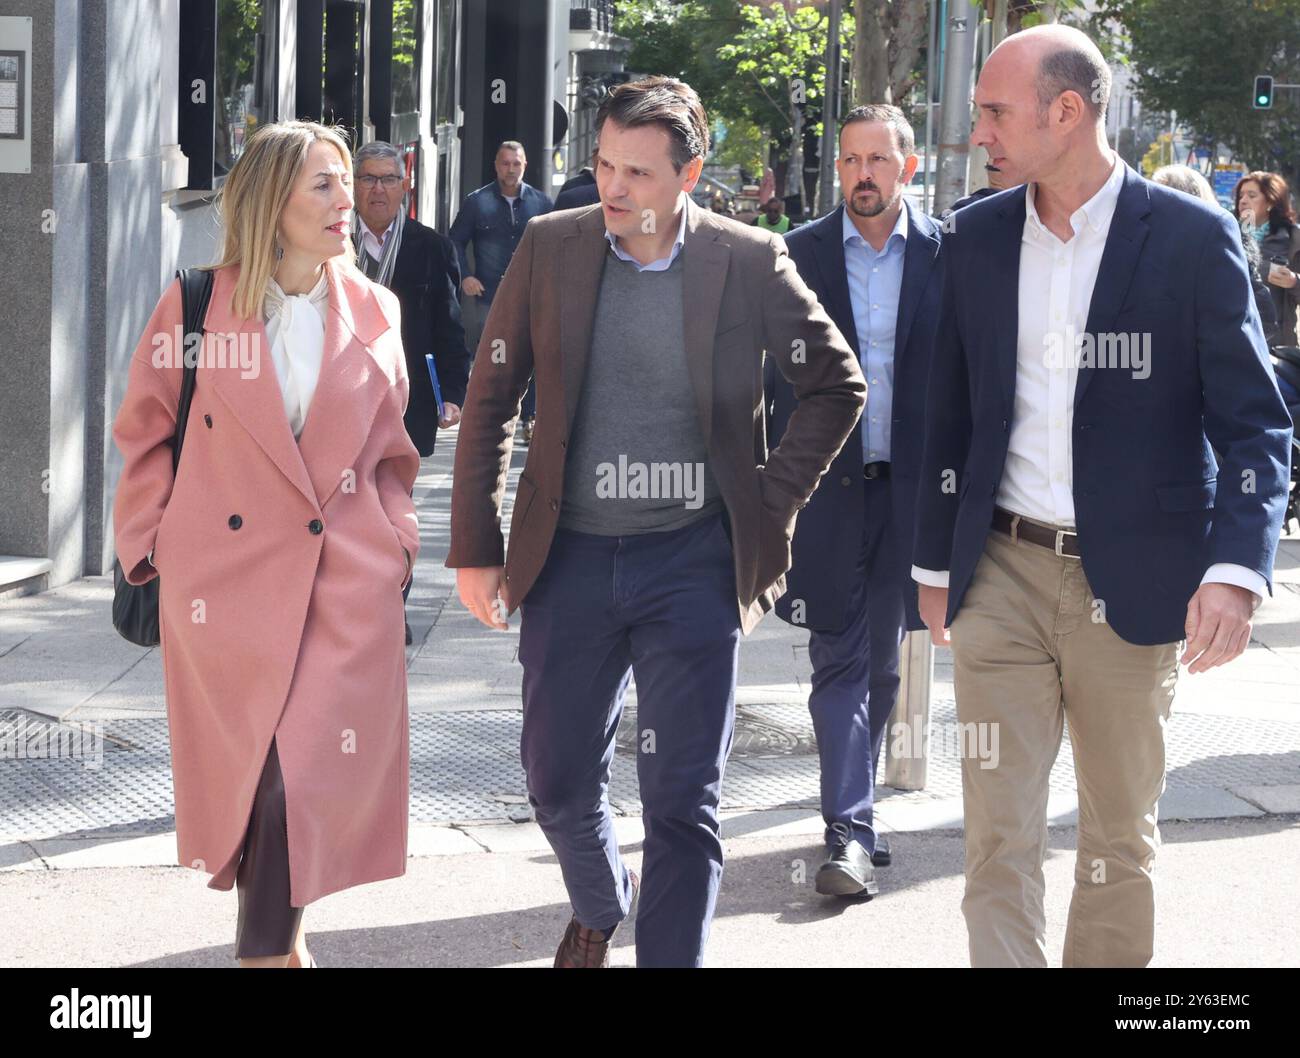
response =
{"points": [[881, 857], [848, 870]]}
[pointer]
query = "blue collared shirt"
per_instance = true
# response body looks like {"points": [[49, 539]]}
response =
{"points": [[875, 280], [494, 225], [663, 263]]}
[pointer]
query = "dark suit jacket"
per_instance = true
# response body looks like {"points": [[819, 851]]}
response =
{"points": [[425, 280], [1152, 507], [742, 295], [826, 547], [580, 191]]}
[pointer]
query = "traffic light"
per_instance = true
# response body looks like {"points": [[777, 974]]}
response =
{"points": [[1263, 92]]}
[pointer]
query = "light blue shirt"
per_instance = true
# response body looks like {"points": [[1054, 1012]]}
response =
{"points": [[875, 280], [660, 265]]}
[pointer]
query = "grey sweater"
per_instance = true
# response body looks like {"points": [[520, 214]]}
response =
{"points": [[637, 461]]}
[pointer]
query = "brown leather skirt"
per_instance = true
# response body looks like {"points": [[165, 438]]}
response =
{"points": [[267, 924]]}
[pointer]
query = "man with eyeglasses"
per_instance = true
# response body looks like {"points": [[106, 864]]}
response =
{"points": [[493, 219], [421, 268]]}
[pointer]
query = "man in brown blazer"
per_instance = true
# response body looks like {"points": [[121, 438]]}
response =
{"points": [[651, 526]]}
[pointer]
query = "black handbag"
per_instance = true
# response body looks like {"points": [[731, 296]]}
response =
{"points": [[135, 606]]}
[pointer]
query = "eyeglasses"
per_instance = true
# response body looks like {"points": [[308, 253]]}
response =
{"points": [[389, 182]]}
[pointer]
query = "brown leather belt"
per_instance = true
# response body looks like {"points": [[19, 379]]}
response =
{"points": [[1064, 542]]}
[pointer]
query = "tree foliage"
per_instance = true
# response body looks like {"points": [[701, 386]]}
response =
{"points": [[1199, 58]]}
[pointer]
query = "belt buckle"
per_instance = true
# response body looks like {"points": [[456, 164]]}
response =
{"points": [[1061, 534]]}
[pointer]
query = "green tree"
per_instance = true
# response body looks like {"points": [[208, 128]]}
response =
{"points": [[1200, 57], [760, 69]]}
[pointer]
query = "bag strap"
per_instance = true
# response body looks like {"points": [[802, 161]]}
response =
{"points": [[196, 292]]}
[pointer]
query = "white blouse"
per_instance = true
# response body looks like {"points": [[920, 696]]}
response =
{"points": [[295, 327]]}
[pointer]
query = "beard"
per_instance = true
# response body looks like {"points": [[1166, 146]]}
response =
{"points": [[875, 210]]}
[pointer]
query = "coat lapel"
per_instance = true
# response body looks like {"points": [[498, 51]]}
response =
{"points": [[583, 254], [352, 384], [348, 394], [256, 402], [921, 249], [1128, 231], [828, 249], [704, 275], [1001, 279]]}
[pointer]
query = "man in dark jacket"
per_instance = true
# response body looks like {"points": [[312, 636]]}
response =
{"points": [[579, 190], [871, 263], [420, 267]]}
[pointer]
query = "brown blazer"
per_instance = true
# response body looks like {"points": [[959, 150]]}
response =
{"points": [[742, 295]]}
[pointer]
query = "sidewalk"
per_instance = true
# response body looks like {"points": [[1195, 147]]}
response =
{"points": [[1234, 758]]}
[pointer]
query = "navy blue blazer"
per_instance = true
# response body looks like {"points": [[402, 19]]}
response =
{"points": [[1154, 509], [828, 533]]}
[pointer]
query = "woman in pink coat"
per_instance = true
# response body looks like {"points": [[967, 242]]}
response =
{"points": [[282, 546]]}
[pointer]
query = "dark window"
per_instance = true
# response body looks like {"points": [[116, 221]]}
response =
{"points": [[241, 70], [406, 56], [446, 65], [227, 86]]}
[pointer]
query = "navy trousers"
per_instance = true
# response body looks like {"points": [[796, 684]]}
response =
{"points": [[855, 673], [660, 606]]}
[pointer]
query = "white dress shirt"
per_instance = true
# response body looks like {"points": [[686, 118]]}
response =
{"points": [[663, 263], [1054, 294], [370, 242], [295, 327]]}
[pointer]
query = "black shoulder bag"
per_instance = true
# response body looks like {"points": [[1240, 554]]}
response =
{"points": [[135, 606]]}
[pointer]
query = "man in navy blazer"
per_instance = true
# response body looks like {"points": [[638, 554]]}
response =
{"points": [[871, 263], [1104, 475]]}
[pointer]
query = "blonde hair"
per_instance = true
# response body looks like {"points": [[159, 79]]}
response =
{"points": [[253, 197]]}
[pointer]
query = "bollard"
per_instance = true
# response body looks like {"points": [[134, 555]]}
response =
{"points": [[906, 770]]}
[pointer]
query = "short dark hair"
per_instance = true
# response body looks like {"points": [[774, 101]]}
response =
{"points": [[666, 102], [1079, 68], [904, 137]]}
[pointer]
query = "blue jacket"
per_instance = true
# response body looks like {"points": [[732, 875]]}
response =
{"points": [[1154, 509], [828, 533], [485, 220]]}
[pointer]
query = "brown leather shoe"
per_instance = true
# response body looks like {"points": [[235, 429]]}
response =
{"points": [[588, 949]]}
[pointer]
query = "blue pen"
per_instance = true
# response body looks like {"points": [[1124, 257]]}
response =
{"points": [[437, 389]]}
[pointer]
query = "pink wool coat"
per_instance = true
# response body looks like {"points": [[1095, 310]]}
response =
{"points": [[282, 565]]}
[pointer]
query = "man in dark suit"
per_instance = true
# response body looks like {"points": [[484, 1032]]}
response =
{"points": [[419, 266], [651, 525], [424, 275], [580, 190], [871, 263], [1098, 344]]}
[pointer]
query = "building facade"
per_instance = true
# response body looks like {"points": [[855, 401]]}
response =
{"points": [[136, 110]]}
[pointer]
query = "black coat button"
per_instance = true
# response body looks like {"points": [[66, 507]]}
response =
{"points": [[846, 480], [207, 421], [235, 521], [316, 526]]}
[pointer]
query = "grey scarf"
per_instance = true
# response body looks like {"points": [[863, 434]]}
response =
{"points": [[380, 271]]}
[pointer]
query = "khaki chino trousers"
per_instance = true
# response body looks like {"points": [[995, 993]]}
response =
{"points": [[1031, 652]]}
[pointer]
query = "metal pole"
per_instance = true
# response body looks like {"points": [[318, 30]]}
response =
{"points": [[954, 125], [830, 111], [930, 50], [908, 734]]}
